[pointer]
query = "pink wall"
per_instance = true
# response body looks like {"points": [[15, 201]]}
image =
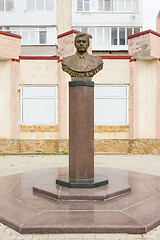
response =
{"points": [[158, 101], [11, 45], [134, 101], [15, 99]]}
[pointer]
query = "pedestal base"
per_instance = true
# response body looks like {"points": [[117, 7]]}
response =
{"points": [[118, 185], [97, 181], [26, 212]]}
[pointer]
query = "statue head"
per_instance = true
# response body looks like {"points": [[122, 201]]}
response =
{"points": [[81, 42]]}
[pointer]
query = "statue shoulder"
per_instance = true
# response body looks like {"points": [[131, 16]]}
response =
{"points": [[68, 59], [96, 59]]}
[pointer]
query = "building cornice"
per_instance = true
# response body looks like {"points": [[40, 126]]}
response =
{"points": [[70, 32], [39, 57], [143, 33], [10, 34], [116, 57]]}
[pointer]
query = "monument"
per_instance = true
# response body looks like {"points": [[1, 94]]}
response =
{"points": [[81, 182], [81, 67]]}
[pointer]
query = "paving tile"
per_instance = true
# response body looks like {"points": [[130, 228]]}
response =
{"points": [[134, 236], [25, 237], [40, 237], [56, 236], [143, 238], [110, 236]]}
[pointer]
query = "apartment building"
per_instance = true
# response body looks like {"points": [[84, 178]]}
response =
{"points": [[110, 22]]}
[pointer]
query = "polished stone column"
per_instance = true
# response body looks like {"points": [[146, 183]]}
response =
{"points": [[81, 130], [81, 138]]}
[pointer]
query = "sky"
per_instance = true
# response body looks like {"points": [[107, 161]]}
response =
{"points": [[150, 11]]}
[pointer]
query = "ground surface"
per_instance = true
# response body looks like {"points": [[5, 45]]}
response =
{"points": [[140, 163]]}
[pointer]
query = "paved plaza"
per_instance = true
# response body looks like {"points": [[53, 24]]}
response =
{"points": [[149, 164]]}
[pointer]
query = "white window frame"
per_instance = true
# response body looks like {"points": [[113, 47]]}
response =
{"points": [[97, 46], [83, 10], [49, 30], [114, 97], [44, 5], [95, 9], [38, 97], [37, 30], [111, 4], [5, 7]]}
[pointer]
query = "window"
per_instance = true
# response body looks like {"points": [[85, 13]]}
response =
{"points": [[129, 32], [134, 5], [6, 5], [121, 36], [128, 5], [115, 8], [100, 5], [108, 5], [39, 105], [40, 5], [114, 36], [136, 30], [83, 5], [104, 5], [109, 38], [30, 5], [121, 6], [86, 5], [35, 35], [111, 104], [79, 5], [32, 35], [42, 37], [99, 35]]}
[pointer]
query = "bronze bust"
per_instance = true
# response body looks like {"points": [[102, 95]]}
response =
{"points": [[82, 64]]}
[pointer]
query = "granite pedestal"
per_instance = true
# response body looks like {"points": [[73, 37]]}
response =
{"points": [[81, 130], [81, 138]]}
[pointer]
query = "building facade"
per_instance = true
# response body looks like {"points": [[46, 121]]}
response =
{"points": [[110, 22], [34, 97]]}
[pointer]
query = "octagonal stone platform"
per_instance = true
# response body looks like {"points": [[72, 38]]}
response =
{"points": [[28, 212], [118, 184]]}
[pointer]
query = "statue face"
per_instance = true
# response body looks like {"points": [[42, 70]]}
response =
{"points": [[81, 44]]}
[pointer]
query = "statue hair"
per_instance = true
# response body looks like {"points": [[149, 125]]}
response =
{"points": [[81, 35]]}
